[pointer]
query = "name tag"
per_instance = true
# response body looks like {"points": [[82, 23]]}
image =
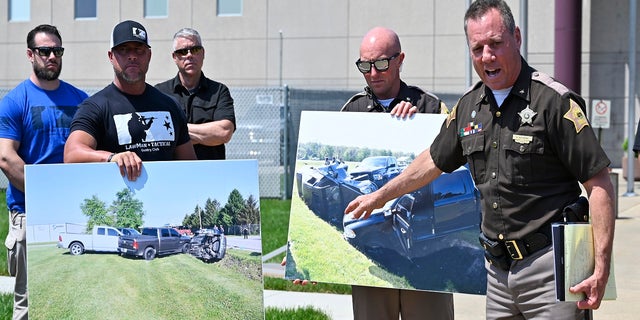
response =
{"points": [[522, 139]]}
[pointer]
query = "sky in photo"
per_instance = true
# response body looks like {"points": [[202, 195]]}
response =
{"points": [[168, 189], [373, 130]]}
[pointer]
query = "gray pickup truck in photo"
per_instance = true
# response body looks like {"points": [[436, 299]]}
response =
{"points": [[152, 242]]}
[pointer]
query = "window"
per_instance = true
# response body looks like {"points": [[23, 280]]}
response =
{"points": [[229, 7], [19, 10], [85, 9], [156, 8], [448, 186]]}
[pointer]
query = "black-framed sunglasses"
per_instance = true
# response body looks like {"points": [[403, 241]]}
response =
{"points": [[184, 51], [46, 51], [380, 64]]}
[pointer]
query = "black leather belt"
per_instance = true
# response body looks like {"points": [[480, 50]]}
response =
{"points": [[502, 253], [519, 249]]}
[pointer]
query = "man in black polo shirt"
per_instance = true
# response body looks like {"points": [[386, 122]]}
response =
{"points": [[207, 103]]}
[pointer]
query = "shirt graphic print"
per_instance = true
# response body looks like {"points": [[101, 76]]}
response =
{"points": [[145, 131]]}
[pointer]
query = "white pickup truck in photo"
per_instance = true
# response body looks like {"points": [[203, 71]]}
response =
{"points": [[102, 239]]}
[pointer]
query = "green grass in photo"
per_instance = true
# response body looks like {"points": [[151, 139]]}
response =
{"points": [[170, 287], [318, 249]]}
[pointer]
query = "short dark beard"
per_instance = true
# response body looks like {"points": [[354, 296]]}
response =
{"points": [[124, 77], [44, 74]]}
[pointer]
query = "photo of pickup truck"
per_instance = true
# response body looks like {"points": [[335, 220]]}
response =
{"points": [[410, 226], [101, 239], [426, 234], [378, 170], [152, 242]]}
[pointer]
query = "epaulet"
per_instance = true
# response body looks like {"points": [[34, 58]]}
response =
{"points": [[443, 108], [550, 82], [354, 98], [452, 113]]}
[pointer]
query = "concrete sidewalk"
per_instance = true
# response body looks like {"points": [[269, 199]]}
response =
{"points": [[471, 307]]}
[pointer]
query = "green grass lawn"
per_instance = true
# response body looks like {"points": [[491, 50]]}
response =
{"points": [[307, 313], [319, 252], [6, 306], [108, 286], [275, 226], [6, 300], [4, 229], [274, 217]]}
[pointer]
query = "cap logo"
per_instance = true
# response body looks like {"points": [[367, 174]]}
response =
{"points": [[139, 33]]}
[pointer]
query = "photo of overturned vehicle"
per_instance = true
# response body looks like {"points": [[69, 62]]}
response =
{"points": [[327, 190], [416, 225], [208, 245]]}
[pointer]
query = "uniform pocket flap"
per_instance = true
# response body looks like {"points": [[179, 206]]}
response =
{"points": [[525, 144], [472, 143]]}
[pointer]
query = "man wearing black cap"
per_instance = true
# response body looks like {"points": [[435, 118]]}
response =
{"points": [[129, 120]]}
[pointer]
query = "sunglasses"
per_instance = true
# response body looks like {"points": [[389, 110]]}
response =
{"points": [[46, 51], [380, 64], [193, 50]]}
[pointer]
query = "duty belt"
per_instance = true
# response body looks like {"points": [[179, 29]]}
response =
{"points": [[502, 253], [518, 249]]}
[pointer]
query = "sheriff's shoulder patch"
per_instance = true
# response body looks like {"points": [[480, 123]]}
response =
{"points": [[576, 116], [443, 108], [452, 115]]}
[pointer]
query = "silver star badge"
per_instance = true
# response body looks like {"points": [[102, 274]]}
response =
{"points": [[526, 116]]}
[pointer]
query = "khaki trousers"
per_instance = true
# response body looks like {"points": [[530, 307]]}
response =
{"points": [[527, 291], [17, 262]]}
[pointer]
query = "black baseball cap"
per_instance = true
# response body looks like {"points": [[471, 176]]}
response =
{"points": [[127, 31]]}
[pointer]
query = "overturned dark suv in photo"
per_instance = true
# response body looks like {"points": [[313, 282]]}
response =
{"points": [[407, 226], [208, 245], [327, 190]]}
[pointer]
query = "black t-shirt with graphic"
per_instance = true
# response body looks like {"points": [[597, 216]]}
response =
{"points": [[151, 124]]}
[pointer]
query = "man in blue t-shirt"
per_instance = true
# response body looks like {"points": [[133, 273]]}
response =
{"points": [[35, 118]]}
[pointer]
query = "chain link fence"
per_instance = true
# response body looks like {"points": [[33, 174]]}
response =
{"points": [[260, 126]]}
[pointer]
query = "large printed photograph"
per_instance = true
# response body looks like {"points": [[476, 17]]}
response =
{"points": [[423, 240], [181, 242]]}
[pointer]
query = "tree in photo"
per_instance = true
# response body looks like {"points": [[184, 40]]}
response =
{"points": [[192, 220], [96, 210], [253, 210], [128, 211], [234, 210], [212, 213]]}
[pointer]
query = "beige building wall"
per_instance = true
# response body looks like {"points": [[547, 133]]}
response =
{"points": [[313, 44], [309, 44]]}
